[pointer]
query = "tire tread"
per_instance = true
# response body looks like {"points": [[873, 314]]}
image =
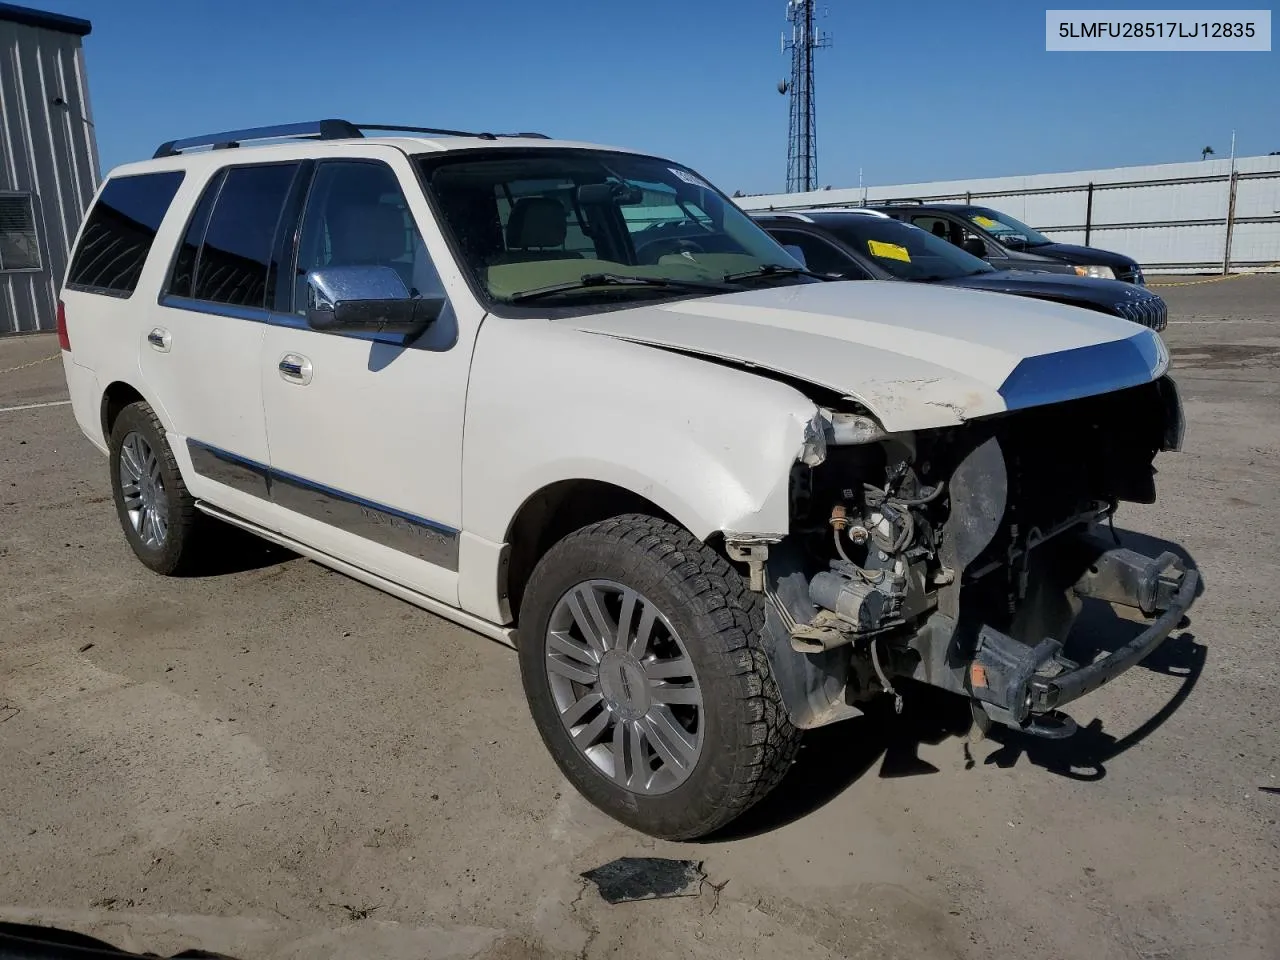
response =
{"points": [[720, 596]]}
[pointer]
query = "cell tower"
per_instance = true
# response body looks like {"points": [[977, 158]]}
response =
{"points": [[802, 141]]}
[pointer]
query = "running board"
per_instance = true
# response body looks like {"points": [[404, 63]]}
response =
{"points": [[504, 635]]}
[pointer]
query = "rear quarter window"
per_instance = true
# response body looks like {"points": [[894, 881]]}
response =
{"points": [[119, 232]]}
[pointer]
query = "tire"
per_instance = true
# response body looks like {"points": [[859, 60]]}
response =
{"points": [[168, 540], [704, 646]]}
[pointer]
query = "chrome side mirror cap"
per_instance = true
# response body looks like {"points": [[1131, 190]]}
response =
{"points": [[367, 299]]}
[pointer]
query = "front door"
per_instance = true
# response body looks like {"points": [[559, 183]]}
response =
{"points": [[365, 431]]}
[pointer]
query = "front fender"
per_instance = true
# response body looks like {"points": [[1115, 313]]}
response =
{"points": [[711, 445]]}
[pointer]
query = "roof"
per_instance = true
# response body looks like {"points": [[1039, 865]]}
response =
{"points": [[48, 21], [308, 149], [807, 215], [904, 205]]}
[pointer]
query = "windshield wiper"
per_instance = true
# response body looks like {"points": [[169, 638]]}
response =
{"points": [[776, 270], [588, 280]]}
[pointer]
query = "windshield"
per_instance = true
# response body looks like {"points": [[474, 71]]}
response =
{"points": [[907, 252], [1006, 229], [526, 220]]}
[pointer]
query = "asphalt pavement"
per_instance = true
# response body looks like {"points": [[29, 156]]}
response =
{"points": [[274, 761]]}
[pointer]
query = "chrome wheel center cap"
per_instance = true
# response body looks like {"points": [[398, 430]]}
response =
{"points": [[624, 685]]}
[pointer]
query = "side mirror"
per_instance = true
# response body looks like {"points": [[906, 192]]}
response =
{"points": [[796, 252], [366, 299], [974, 246]]}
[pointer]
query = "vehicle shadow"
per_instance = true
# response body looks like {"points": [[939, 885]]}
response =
{"points": [[23, 941], [232, 550], [833, 758]]}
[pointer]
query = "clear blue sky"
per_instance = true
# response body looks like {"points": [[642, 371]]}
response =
{"points": [[915, 90]]}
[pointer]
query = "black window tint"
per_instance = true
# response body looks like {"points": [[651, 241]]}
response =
{"points": [[819, 255], [120, 230], [184, 267], [356, 214], [233, 261]]}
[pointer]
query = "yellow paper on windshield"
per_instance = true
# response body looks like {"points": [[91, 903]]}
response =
{"points": [[889, 251], [984, 222]]}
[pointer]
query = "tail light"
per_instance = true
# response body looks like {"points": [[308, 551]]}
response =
{"points": [[64, 341]]}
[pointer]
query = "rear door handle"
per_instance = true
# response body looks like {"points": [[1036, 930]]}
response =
{"points": [[295, 368], [161, 339]]}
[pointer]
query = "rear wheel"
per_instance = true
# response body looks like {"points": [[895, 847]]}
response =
{"points": [[157, 513], [641, 660]]}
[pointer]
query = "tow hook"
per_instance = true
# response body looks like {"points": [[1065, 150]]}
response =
{"points": [[753, 550]]}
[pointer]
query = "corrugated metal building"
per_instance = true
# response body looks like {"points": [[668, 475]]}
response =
{"points": [[48, 160], [1175, 217]]}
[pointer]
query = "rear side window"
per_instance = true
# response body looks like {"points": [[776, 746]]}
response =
{"points": [[184, 267], [119, 232], [226, 253]]}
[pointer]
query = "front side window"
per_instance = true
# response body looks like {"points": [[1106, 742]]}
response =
{"points": [[906, 251], [119, 232], [225, 256], [940, 227], [819, 255], [356, 215], [597, 226], [1006, 229], [19, 247]]}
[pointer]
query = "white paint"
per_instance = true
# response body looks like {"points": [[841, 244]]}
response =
{"points": [[36, 406], [917, 356], [464, 430]]}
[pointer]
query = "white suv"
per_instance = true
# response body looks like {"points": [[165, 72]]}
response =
{"points": [[573, 398]]}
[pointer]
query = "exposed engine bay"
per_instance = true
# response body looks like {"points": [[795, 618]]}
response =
{"points": [[960, 556]]}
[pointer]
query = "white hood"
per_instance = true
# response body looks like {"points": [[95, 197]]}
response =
{"points": [[916, 356]]}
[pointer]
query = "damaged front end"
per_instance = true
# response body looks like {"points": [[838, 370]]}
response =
{"points": [[960, 557]]}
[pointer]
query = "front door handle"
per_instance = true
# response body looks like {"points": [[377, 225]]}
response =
{"points": [[161, 339], [295, 368]]}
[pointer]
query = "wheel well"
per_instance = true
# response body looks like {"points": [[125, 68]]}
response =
{"points": [[116, 397], [553, 513]]}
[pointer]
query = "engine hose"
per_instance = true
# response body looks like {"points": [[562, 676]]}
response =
{"points": [[921, 501], [884, 679], [903, 538], [908, 531], [840, 548]]}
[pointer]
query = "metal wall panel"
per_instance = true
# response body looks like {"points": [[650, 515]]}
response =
{"points": [[1169, 216], [46, 149]]}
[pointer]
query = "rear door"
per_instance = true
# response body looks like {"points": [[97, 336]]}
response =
{"points": [[123, 239], [201, 349]]}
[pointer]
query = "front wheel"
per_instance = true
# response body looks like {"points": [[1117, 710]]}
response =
{"points": [[642, 664]]}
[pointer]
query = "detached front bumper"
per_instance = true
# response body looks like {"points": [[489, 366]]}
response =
{"points": [[1014, 683]]}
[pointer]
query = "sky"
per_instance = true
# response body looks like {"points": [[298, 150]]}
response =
{"points": [[907, 91]]}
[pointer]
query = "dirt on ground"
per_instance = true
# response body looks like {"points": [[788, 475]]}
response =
{"points": [[274, 761]]}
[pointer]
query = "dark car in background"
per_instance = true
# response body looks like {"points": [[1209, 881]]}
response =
{"points": [[1010, 244], [863, 244]]}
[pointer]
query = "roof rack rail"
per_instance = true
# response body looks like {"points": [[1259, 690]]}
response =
{"points": [[906, 201], [313, 130]]}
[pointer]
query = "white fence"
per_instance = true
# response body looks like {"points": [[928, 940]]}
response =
{"points": [[1171, 217]]}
